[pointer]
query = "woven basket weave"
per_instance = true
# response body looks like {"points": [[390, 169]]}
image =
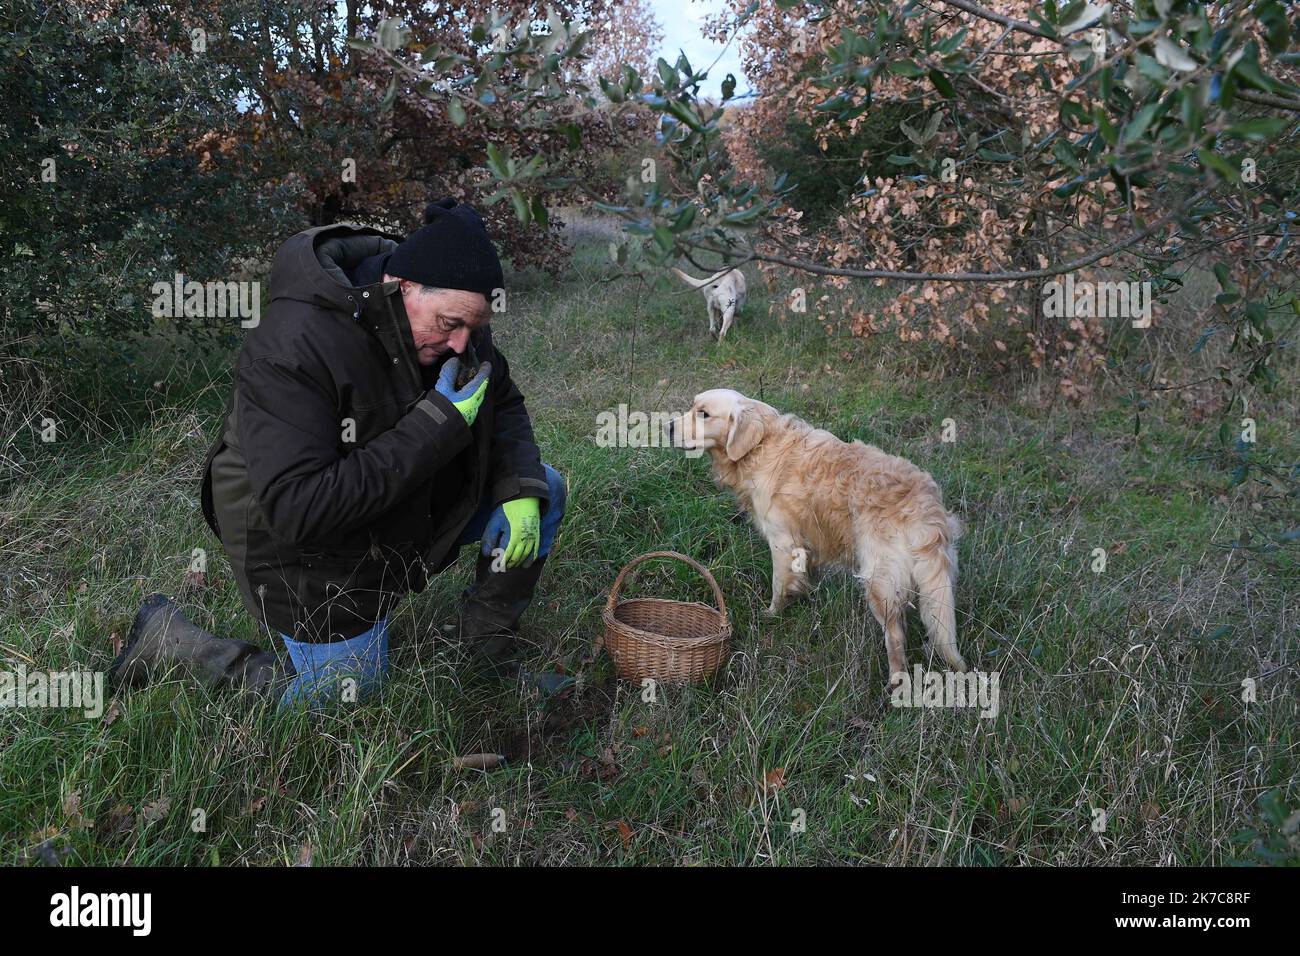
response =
{"points": [[669, 641]]}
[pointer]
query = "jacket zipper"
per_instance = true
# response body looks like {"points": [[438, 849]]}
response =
{"points": [[403, 358]]}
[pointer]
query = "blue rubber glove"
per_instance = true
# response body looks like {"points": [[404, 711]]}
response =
{"points": [[468, 399], [516, 528]]}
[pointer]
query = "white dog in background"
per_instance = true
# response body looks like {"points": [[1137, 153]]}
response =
{"points": [[724, 293]]}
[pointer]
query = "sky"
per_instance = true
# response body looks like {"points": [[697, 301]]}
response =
{"points": [[681, 21]]}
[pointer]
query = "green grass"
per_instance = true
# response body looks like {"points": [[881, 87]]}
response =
{"points": [[1120, 691]]}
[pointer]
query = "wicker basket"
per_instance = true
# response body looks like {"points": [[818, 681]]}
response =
{"points": [[669, 641]]}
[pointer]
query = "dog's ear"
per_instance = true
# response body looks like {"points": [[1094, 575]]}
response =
{"points": [[744, 431]]}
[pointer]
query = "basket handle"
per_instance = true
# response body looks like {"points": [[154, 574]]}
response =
{"points": [[704, 573]]}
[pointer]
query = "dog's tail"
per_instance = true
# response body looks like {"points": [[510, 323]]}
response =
{"points": [[936, 586], [699, 283]]}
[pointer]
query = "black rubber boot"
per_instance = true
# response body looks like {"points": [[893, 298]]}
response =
{"points": [[162, 638], [490, 609], [489, 622]]}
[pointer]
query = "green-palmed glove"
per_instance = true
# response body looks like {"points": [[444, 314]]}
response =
{"points": [[516, 527], [467, 399]]}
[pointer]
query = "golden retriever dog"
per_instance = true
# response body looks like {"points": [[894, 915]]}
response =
{"points": [[724, 294], [821, 502]]}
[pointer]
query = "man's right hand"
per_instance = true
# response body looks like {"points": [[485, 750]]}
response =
{"points": [[468, 399]]}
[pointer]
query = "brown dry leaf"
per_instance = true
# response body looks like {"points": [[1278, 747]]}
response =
{"points": [[113, 712], [773, 780], [115, 639], [570, 814], [859, 723], [640, 731], [155, 810], [1011, 808], [304, 855], [608, 766], [624, 832], [37, 836], [1150, 810], [255, 806], [116, 822], [194, 581], [72, 811]]}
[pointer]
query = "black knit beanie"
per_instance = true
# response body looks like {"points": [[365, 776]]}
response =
{"points": [[450, 251]]}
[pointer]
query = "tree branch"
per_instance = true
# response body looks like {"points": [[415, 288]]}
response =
{"points": [[1022, 26], [1060, 269]]}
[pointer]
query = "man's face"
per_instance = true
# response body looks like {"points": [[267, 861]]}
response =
{"points": [[441, 321]]}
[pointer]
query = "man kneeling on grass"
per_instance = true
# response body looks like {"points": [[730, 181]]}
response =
{"points": [[361, 450]]}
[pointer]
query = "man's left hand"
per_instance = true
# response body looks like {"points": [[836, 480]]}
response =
{"points": [[516, 527]]}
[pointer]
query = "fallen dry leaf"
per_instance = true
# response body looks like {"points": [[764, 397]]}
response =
{"points": [[155, 810], [113, 712], [116, 822], [72, 811], [36, 836], [624, 832], [773, 780]]}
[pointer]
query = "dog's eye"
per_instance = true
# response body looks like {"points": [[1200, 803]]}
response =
{"points": [[702, 413]]}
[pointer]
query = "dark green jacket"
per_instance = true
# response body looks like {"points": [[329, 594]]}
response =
{"points": [[325, 534]]}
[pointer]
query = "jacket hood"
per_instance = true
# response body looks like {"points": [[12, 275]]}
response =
{"points": [[309, 267]]}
